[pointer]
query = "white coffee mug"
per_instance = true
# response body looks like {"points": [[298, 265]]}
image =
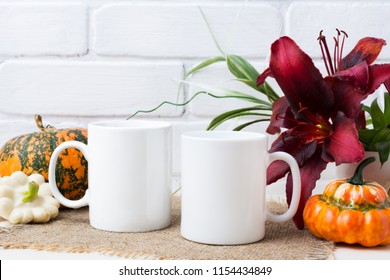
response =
{"points": [[224, 187], [129, 175]]}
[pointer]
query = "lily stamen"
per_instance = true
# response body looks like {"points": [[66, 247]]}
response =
{"points": [[322, 51], [336, 53], [305, 111], [325, 51], [342, 47], [332, 66]]}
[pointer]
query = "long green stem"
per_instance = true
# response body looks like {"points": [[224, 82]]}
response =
{"points": [[188, 101], [169, 103]]}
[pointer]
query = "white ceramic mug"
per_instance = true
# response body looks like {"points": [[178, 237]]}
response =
{"points": [[224, 187], [129, 175]]}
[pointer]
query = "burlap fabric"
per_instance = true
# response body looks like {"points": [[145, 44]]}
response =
{"points": [[71, 232]]}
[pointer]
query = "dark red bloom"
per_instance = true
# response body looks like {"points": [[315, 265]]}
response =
{"points": [[317, 131], [353, 77]]}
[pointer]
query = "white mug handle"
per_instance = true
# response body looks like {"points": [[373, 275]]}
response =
{"points": [[296, 192], [52, 174]]}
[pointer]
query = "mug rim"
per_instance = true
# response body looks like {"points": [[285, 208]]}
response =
{"points": [[129, 124], [223, 135]]}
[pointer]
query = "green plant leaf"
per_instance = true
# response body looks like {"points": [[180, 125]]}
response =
{"points": [[240, 127], [228, 93], [368, 122], [234, 114], [377, 116], [211, 31], [383, 135], [264, 105], [250, 83], [383, 149], [243, 96], [366, 109], [264, 88], [172, 103], [269, 91], [238, 115], [386, 98], [241, 68], [246, 73], [204, 64], [366, 136]]}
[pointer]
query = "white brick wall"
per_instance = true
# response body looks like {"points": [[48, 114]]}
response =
{"points": [[178, 30], [87, 88], [43, 29], [304, 20], [79, 61]]}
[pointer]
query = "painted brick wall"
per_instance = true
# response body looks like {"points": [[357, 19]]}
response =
{"points": [[79, 61]]}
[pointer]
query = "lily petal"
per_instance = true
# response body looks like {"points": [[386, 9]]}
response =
{"points": [[281, 116], [367, 49], [356, 75], [379, 74], [360, 121], [350, 88], [290, 143], [294, 146], [261, 79], [387, 85], [310, 173], [348, 98], [299, 79], [276, 170], [344, 145]]}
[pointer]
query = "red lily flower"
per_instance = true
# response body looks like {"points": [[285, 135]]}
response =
{"points": [[318, 130], [353, 77]]}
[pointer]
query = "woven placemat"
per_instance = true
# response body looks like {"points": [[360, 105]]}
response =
{"points": [[71, 232]]}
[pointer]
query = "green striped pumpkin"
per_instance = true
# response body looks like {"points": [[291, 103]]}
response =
{"points": [[31, 153]]}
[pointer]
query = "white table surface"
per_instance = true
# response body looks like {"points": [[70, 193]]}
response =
{"points": [[342, 252]]}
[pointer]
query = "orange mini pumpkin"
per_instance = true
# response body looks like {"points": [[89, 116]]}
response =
{"points": [[31, 153], [350, 211]]}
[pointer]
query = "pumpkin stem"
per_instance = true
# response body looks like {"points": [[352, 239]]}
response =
{"points": [[357, 178], [39, 123], [32, 193]]}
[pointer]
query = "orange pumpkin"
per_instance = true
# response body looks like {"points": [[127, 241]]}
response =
{"points": [[350, 211], [31, 153]]}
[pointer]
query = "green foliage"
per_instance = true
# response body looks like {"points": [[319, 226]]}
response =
{"points": [[204, 64], [378, 138], [243, 72]]}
